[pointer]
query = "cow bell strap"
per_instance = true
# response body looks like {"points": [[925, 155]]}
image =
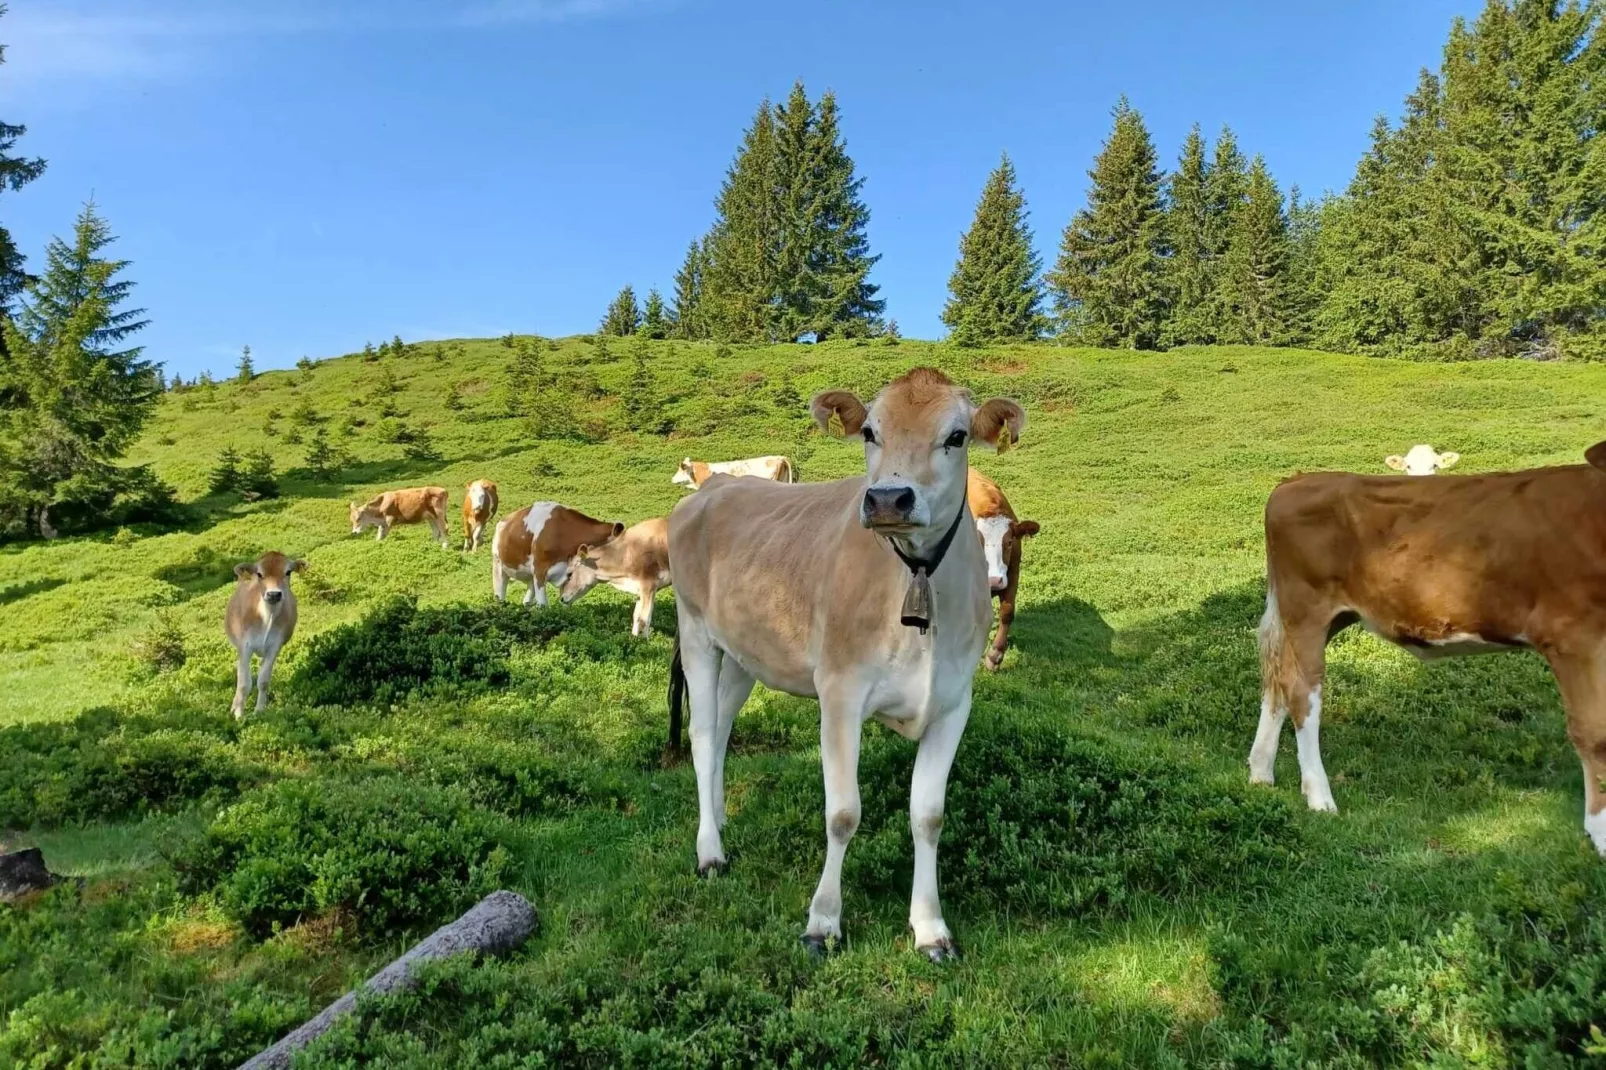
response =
{"points": [[917, 600]]}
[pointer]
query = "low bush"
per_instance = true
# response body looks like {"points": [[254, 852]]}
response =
{"points": [[390, 852], [518, 779]]}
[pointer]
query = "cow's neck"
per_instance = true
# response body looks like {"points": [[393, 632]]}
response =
{"points": [[922, 565]]}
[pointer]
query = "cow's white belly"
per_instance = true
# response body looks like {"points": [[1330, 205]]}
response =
{"points": [[556, 574]]}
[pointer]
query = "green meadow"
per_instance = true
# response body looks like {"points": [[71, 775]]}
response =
{"points": [[1120, 894]]}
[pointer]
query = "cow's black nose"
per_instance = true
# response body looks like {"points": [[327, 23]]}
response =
{"points": [[889, 501], [271, 597]]}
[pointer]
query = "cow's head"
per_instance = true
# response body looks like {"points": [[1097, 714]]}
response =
{"points": [[999, 537], [1421, 460], [684, 476], [270, 575], [1596, 455], [363, 516], [581, 576], [917, 434]]}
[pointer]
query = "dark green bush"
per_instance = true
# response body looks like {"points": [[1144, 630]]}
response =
{"points": [[513, 778]]}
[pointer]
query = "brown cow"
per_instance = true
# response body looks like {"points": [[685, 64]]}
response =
{"points": [[1445, 566], [479, 505], [259, 620], [533, 545], [1001, 534], [412, 506], [637, 563]]}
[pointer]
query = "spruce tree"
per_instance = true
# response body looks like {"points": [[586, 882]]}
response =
{"points": [[1190, 240], [995, 294], [1250, 290], [1226, 187], [15, 172], [1106, 282], [689, 321], [739, 281], [245, 371], [654, 319], [846, 304], [1302, 288], [623, 317]]}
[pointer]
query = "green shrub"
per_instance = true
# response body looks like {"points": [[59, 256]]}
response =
{"points": [[515, 778], [391, 852], [256, 476], [161, 647], [225, 474]]}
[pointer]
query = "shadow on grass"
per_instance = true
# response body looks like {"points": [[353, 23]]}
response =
{"points": [[16, 592]]}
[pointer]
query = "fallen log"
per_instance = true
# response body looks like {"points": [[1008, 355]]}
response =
{"points": [[497, 924]]}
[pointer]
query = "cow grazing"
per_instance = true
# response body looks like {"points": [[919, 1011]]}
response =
{"points": [[1001, 534], [533, 545], [637, 563], [694, 474], [1460, 565], [412, 506], [856, 592], [1421, 460], [259, 620], [479, 505]]}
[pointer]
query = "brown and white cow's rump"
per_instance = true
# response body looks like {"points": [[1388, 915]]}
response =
{"points": [[1445, 566], [694, 474], [637, 563], [259, 620], [1001, 534], [415, 505], [533, 545], [479, 505], [802, 586]]}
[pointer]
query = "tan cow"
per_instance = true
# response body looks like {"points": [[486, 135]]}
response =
{"points": [[533, 545], [259, 620], [694, 474], [1421, 460], [637, 563], [1459, 565], [411, 506], [1001, 534], [857, 592], [479, 505]]}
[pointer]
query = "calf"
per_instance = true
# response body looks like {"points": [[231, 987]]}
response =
{"points": [[479, 505], [534, 545], [694, 474], [1421, 460], [260, 619], [857, 592], [1001, 536], [1460, 565], [637, 563], [412, 506]]}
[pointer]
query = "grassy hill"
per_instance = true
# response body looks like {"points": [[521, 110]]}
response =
{"points": [[1119, 892]]}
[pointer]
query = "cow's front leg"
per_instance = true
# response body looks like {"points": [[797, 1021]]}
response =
{"points": [[265, 675], [927, 794], [242, 682], [841, 723], [1006, 617], [641, 619], [700, 660]]}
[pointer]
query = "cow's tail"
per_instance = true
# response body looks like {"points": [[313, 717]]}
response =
{"points": [[677, 697]]}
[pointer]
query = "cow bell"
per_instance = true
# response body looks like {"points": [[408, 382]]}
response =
{"points": [[917, 602]]}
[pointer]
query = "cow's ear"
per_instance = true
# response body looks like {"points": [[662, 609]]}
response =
{"points": [[618, 528], [1025, 529], [1447, 460], [838, 412], [245, 570], [1596, 455], [296, 565], [998, 423], [1395, 461]]}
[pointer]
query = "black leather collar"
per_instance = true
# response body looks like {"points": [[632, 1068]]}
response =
{"points": [[917, 606], [916, 564]]}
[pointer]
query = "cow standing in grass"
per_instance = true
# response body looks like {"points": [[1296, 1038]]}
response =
{"points": [[534, 545], [1001, 534], [259, 620], [694, 474], [637, 563], [415, 505], [1459, 565], [1421, 460], [479, 505], [868, 593]]}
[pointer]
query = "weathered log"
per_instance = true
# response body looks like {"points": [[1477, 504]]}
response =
{"points": [[497, 924], [22, 872]]}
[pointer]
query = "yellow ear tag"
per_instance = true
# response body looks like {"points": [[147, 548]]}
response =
{"points": [[833, 426], [1005, 439]]}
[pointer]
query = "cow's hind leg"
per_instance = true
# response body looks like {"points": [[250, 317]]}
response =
{"points": [[927, 795], [1293, 665], [841, 722], [735, 684], [700, 660], [1582, 679], [242, 682]]}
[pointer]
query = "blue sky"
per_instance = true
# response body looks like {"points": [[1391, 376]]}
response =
{"points": [[305, 176]]}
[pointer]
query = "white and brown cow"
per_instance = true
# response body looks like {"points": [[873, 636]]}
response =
{"points": [[259, 620], [857, 592], [533, 545], [415, 505], [1421, 460], [637, 563], [694, 474], [1001, 534], [1459, 565], [479, 505]]}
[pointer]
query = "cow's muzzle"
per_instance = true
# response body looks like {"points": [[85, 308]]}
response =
{"points": [[273, 598], [888, 507], [996, 584]]}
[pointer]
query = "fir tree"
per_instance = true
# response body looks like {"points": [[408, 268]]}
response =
{"points": [[1226, 186], [1106, 282], [323, 460], [689, 321], [225, 474], [655, 321], [15, 172], [256, 476], [1190, 238], [739, 276], [1302, 288], [1250, 291], [623, 317], [844, 300], [643, 408], [245, 371], [995, 294]]}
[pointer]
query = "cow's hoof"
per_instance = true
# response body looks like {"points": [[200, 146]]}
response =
{"points": [[942, 951], [821, 947], [712, 869], [992, 661]]}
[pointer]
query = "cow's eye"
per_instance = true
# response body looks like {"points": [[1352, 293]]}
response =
{"points": [[869, 435], [955, 440]]}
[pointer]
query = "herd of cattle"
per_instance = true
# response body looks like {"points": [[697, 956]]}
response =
{"points": [[858, 592]]}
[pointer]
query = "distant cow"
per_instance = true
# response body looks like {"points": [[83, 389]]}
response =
{"points": [[1459, 565], [695, 473], [259, 620], [533, 545], [479, 505], [637, 563], [1001, 536], [1421, 460], [869, 593], [414, 505]]}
